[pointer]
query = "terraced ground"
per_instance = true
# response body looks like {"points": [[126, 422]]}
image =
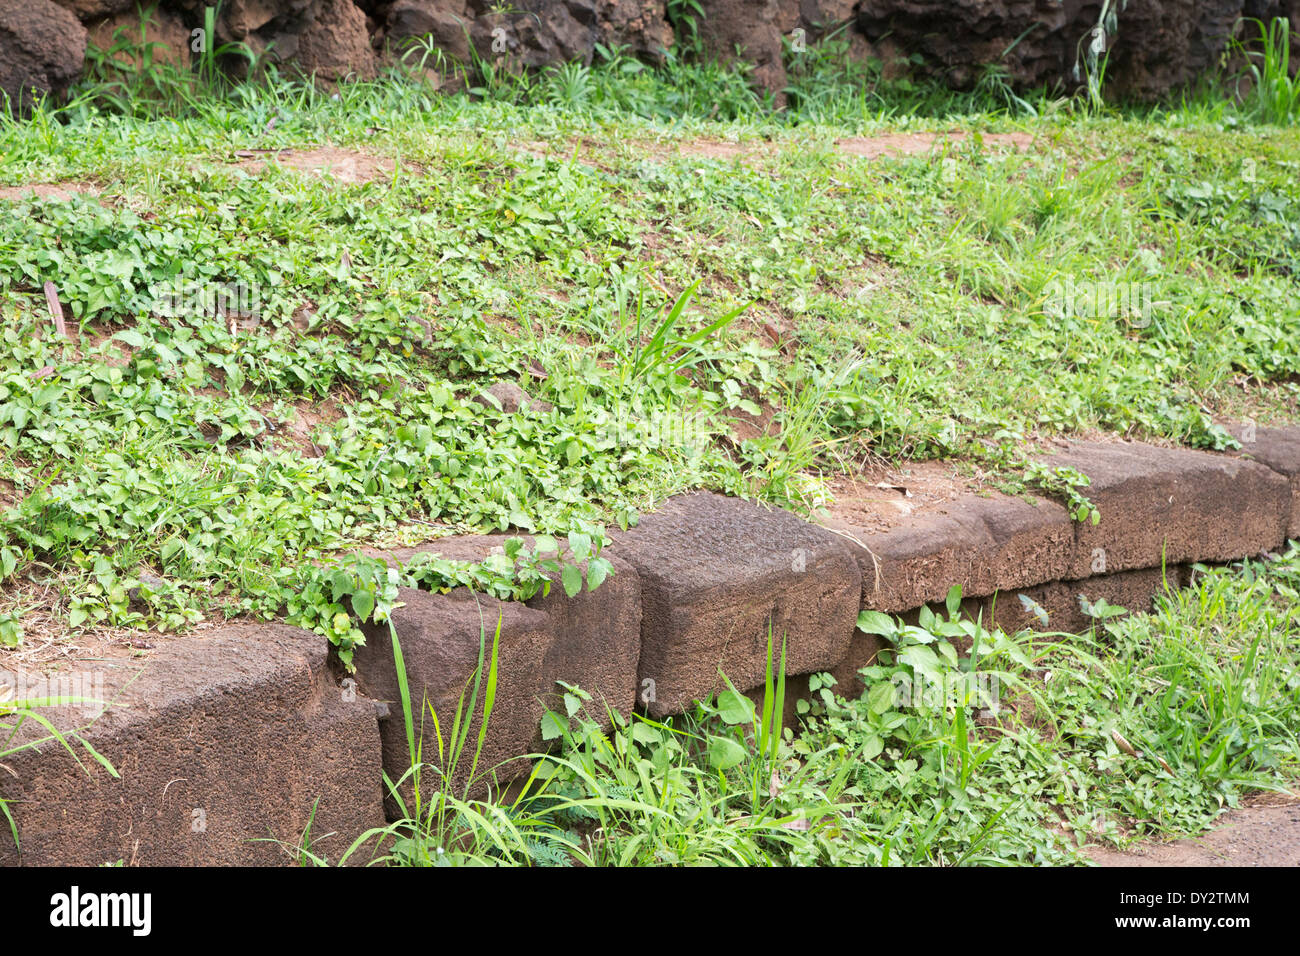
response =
{"points": [[245, 337]]}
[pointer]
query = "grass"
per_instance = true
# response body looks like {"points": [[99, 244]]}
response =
{"points": [[969, 746], [265, 369]]}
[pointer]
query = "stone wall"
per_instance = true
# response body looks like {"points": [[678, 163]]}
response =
{"points": [[1158, 44], [221, 738]]}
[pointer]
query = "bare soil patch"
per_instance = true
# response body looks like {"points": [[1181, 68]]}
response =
{"points": [[60, 192], [883, 496], [298, 431], [885, 145], [342, 165], [1265, 831], [912, 144]]}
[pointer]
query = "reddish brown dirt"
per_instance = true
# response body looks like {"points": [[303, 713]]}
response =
{"points": [[298, 431], [885, 145], [912, 144], [59, 191], [342, 165], [1265, 831], [883, 496]]}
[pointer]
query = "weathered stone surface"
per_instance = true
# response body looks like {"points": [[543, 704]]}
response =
{"points": [[445, 22], [981, 544], [510, 398], [1168, 505], [596, 635], [748, 30], [224, 738], [85, 10], [863, 651], [441, 635], [919, 561], [336, 44], [1279, 450], [717, 576], [167, 36], [42, 50], [639, 25], [1031, 542], [1132, 590], [1154, 48]]}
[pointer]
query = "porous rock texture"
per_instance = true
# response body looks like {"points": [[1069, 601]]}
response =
{"points": [[1153, 47], [441, 637], [1279, 450], [1169, 505], [591, 640], [1156, 46], [720, 578], [42, 50], [223, 740]]}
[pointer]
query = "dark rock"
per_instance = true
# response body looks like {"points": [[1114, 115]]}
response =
{"points": [[718, 577], [87, 10], [42, 51], [444, 22], [1157, 45], [1132, 590], [222, 739], [336, 43], [748, 30]]}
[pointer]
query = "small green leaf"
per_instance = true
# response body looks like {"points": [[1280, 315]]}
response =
{"points": [[880, 699], [363, 602], [553, 725], [735, 708], [725, 753], [874, 622], [571, 578]]}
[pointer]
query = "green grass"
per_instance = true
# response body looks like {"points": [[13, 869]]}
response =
{"points": [[969, 747], [915, 300]]}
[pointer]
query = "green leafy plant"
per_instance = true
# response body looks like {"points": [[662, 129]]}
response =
{"points": [[1065, 482], [1274, 95]]}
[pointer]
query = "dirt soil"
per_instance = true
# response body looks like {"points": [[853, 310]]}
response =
{"points": [[58, 191], [342, 165], [882, 496], [1265, 831], [884, 145]]}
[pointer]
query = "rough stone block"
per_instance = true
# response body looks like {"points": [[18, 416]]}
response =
{"points": [[1132, 590], [596, 635], [981, 544], [717, 576], [1279, 450], [222, 739], [1169, 505], [441, 635]]}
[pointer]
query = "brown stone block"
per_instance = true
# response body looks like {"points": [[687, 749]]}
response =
{"points": [[222, 739], [718, 575], [1279, 450], [441, 636], [1168, 505], [596, 634]]}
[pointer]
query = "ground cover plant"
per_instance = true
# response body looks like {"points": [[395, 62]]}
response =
{"points": [[247, 329], [255, 366], [970, 746]]}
